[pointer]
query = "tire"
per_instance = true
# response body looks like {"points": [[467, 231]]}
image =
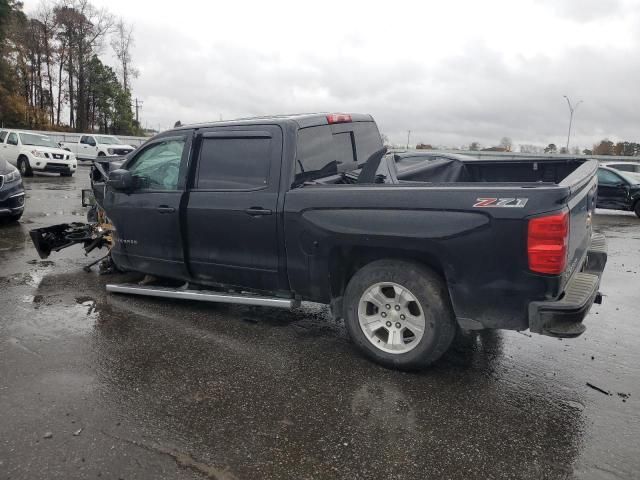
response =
{"points": [[24, 167], [416, 297], [101, 154], [636, 208]]}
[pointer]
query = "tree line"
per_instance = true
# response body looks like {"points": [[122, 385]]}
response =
{"points": [[51, 72], [605, 147]]}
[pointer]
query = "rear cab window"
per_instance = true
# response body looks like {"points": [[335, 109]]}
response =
{"points": [[329, 149], [3, 135]]}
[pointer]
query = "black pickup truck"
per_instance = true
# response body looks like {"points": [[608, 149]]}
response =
{"points": [[405, 247]]}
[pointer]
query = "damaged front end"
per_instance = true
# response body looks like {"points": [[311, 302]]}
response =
{"points": [[97, 233]]}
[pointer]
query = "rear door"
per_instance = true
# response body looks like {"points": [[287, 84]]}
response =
{"points": [[147, 221], [231, 220]]}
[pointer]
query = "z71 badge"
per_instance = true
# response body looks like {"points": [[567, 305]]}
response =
{"points": [[501, 202]]}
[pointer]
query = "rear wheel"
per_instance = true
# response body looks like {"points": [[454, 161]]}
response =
{"points": [[24, 167], [398, 313]]}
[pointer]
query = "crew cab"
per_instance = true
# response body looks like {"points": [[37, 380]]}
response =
{"points": [[34, 152], [406, 248], [618, 190], [90, 147]]}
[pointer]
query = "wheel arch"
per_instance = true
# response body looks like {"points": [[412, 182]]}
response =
{"points": [[345, 262]]}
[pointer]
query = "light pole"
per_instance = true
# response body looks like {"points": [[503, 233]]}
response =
{"points": [[408, 138], [572, 109]]}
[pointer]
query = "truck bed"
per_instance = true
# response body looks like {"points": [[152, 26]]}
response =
{"points": [[451, 168]]}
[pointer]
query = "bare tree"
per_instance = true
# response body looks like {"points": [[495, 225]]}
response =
{"points": [[83, 27], [506, 143], [46, 16], [122, 44]]}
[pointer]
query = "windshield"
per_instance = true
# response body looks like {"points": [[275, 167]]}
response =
{"points": [[37, 140], [107, 140]]}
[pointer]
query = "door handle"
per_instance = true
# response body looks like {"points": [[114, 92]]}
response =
{"points": [[165, 209], [257, 211]]}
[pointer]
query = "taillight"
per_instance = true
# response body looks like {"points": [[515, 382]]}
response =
{"points": [[338, 118], [547, 243]]}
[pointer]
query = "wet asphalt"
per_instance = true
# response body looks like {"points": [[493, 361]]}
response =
{"points": [[103, 385]]}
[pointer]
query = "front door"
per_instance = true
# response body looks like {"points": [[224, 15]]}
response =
{"points": [[147, 219], [10, 149], [613, 190], [232, 222]]}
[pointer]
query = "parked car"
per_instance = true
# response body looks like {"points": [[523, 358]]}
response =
{"points": [[90, 147], [275, 210], [631, 169], [12, 195], [33, 152], [618, 190]]}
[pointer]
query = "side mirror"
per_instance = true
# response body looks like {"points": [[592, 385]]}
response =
{"points": [[120, 179]]}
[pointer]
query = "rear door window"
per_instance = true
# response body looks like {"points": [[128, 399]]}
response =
{"points": [[12, 139], [234, 163], [3, 135]]}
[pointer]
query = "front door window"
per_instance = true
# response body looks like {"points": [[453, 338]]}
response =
{"points": [[158, 166]]}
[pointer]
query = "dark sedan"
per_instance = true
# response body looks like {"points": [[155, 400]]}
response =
{"points": [[617, 190], [11, 192]]}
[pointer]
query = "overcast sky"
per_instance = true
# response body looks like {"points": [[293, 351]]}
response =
{"points": [[451, 72]]}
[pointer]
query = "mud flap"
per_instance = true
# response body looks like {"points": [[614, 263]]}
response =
{"points": [[58, 237]]}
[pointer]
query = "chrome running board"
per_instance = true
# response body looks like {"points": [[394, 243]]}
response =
{"points": [[203, 295]]}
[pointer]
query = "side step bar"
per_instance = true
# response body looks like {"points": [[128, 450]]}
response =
{"points": [[203, 295]]}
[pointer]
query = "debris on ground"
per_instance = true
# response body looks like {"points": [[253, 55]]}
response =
{"points": [[48, 435], [598, 389]]}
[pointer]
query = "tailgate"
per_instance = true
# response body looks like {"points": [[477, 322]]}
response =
{"points": [[583, 186]]}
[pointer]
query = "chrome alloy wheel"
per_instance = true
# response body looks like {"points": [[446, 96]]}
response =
{"points": [[391, 317]]}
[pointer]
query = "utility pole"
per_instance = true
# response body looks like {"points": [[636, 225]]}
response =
{"points": [[572, 109], [138, 107], [408, 138]]}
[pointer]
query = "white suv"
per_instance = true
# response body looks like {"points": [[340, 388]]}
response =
{"points": [[34, 152]]}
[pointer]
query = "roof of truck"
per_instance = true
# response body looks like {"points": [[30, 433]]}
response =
{"points": [[301, 119]]}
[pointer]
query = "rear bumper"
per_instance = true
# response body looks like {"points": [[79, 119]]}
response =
{"points": [[563, 317]]}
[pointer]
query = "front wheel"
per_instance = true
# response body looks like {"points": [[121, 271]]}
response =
{"points": [[398, 313], [24, 167], [637, 208]]}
